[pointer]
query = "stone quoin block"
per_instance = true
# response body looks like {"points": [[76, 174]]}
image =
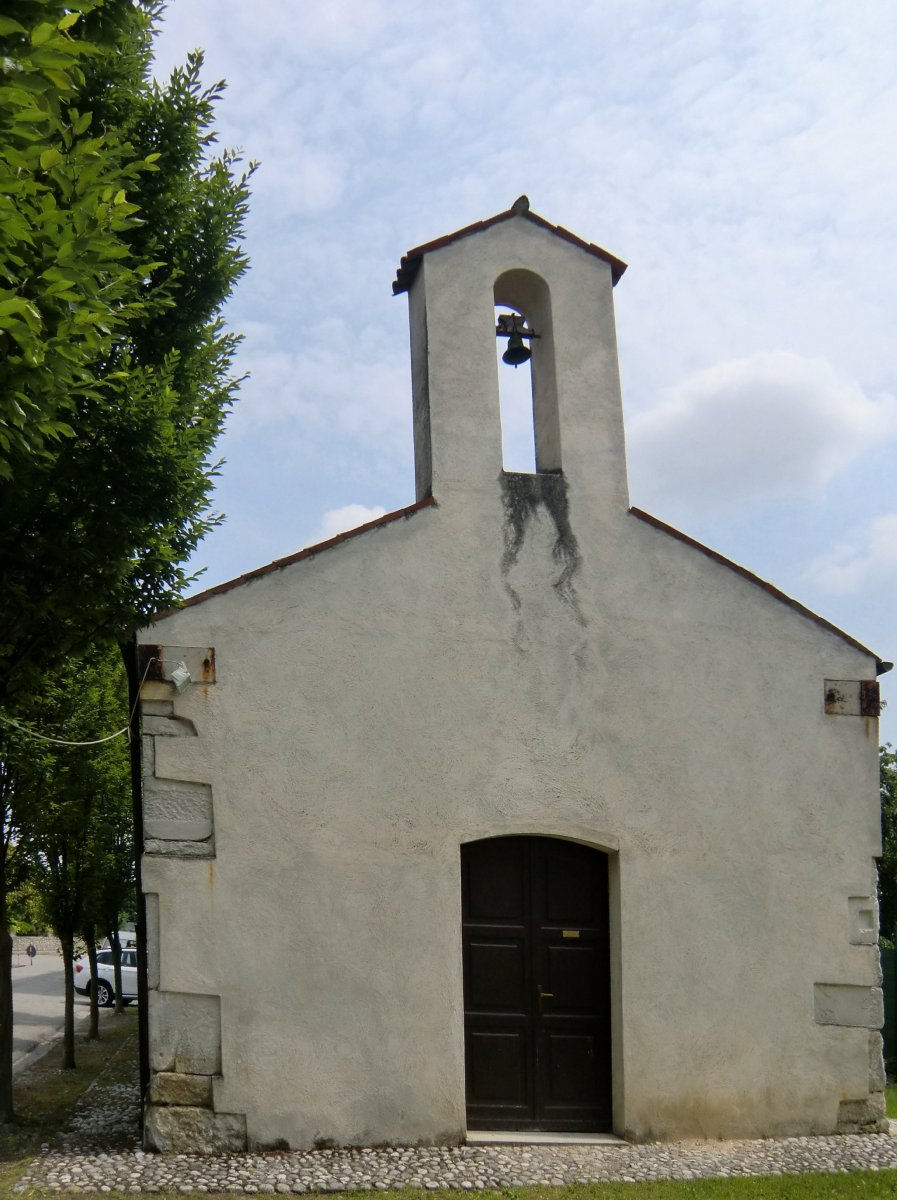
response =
{"points": [[184, 1130], [848, 1004], [175, 1088], [185, 1033], [167, 726], [863, 920], [177, 811], [152, 940]]}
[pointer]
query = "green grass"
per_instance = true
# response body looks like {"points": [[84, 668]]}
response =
{"points": [[46, 1096], [859, 1185], [891, 1100]]}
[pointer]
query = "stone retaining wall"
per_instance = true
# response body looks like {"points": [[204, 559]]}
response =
{"points": [[45, 943]]}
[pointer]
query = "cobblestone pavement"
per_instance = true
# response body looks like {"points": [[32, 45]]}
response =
{"points": [[100, 1151]]}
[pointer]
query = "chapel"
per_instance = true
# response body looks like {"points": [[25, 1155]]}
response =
{"points": [[515, 809]]}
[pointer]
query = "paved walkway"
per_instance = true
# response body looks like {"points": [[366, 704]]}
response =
{"points": [[38, 1007], [100, 1152]]}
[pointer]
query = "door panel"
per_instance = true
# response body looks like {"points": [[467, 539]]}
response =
{"points": [[574, 978], [536, 985], [498, 1067], [497, 975]]}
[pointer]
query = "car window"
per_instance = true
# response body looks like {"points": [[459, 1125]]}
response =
{"points": [[104, 956], [129, 958]]}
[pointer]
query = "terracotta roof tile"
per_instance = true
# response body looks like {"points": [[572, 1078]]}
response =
{"points": [[411, 261]]}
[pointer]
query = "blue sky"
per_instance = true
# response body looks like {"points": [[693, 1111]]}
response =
{"points": [[739, 157]]}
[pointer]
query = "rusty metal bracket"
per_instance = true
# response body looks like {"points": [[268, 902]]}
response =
{"points": [[870, 698], [156, 662], [852, 698]]}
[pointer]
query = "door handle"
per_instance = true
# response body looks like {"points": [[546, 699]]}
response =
{"points": [[543, 995]]}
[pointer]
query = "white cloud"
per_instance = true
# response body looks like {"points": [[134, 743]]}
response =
{"points": [[848, 568], [321, 392], [771, 425], [340, 520]]}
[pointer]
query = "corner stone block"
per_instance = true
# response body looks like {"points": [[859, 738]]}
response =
{"points": [[863, 1116], [177, 812], [171, 1088], [153, 726], [148, 755], [152, 939], [183, 1130], [175, 849], [185, 1033], [848, 1004], [863, 920], [877, 1077]]}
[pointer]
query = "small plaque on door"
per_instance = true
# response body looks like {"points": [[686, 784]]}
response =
{"points": [[571, 933]]}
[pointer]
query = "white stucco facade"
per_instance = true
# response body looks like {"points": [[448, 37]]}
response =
{"points": [[510, 655]]}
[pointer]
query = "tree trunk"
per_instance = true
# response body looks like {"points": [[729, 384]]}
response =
{"points": [[68, 955], [115, 943], [93, 1030], [6, 1109], [6, 1016]]}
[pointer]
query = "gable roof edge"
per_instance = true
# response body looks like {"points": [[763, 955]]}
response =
{"points": [[767, 587], [410, 263]]}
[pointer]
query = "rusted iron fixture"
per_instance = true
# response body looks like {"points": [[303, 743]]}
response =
{"points": [[152, 661], [513, 326], [853, 698]]}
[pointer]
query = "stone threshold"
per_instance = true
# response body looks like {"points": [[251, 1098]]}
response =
{"points": [[526, 1137]]}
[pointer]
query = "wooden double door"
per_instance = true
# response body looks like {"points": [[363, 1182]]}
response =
{"points": [[536, 985]]}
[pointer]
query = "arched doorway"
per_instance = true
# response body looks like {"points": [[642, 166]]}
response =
{"points": [[536, 985]]}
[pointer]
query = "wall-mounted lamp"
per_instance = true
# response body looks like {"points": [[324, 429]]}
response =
{"points": [[513, 327], [180, 677]]}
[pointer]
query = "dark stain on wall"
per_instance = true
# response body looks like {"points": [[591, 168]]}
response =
{"points": [[523, 496]]}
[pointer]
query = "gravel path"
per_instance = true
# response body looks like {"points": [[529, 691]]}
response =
{"points": [[99, 1151]]}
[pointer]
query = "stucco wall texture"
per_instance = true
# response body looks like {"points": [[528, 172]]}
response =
{"points": [[434, 681]]}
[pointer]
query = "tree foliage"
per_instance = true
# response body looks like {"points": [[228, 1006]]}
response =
{"points": [[99, 511], [120, 237], [71, 803], [887, 867], [68, 282]]}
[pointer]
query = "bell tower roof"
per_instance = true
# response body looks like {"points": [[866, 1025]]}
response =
{"points": [[411, 261]]}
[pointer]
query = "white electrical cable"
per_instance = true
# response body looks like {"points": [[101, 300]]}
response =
{"points": [[61, 741]]}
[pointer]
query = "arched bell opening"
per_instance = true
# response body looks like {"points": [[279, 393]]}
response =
{"points": [[526, 373], [515, 392]]}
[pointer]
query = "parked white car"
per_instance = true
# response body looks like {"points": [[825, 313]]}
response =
{"points": [[127, 938], [106, 977]]}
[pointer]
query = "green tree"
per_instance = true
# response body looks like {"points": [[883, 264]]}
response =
{"points": [[67, 280], [887, 865], [110, 875], [119, 244], [111, 426], [63, 794], [23, 904]]}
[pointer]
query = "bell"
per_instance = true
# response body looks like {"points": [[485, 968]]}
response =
{"points": [[517, 352]]}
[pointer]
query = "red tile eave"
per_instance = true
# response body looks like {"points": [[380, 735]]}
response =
{"points": [[755, 579], [308, 552], [411, 261]]}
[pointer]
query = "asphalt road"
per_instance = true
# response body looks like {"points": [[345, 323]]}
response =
{"points": [[38, 1006]]}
